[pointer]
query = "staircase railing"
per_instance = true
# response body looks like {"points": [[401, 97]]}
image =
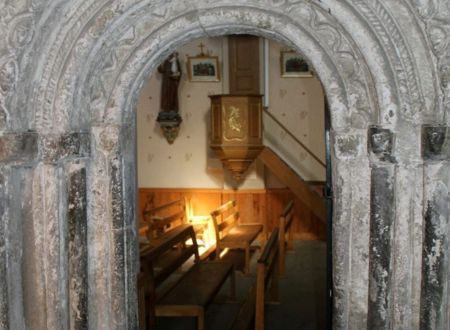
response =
{"points": [[295, 138], [270, 136]]}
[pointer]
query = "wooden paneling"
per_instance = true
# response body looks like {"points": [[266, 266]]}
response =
{"points": [[306, 225], [261, 206], [291, 179]]}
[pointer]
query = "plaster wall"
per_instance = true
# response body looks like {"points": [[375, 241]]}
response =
{"points": [[70, 76], [297, 102]]}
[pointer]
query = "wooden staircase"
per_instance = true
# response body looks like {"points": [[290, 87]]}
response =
{"points": [[294, 182]]}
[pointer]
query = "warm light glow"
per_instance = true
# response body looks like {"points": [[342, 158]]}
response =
{"points": [[223, 253], [204, 228]]}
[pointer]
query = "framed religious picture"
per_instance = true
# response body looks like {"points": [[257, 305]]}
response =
{"points": [[294, 65], [203, 68]]}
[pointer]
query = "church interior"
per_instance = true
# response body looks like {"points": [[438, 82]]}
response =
{"points": [[286, 175]]}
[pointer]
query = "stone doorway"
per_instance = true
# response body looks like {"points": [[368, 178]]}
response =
{"points": [[71, 73]]}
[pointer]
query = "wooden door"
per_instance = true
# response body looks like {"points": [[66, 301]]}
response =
{"points": [[244, 64]]}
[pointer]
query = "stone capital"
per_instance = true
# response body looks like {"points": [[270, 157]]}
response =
{"points": [[436, 142], [30, 147], [380, 144]]}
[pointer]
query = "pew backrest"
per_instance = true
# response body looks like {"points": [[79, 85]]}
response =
{"points": [[194, 289], [164, 217], [266, 279], [175, 248], [225, 218], [267, 273], [285, 223]]}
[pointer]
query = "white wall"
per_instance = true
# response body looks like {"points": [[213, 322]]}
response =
{"points": [[298, 103], [188, 162]]}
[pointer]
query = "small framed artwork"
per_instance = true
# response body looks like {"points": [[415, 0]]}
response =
{"points": [[203, 68], [294, 65]]}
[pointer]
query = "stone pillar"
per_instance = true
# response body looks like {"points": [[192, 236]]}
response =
{"points": [[16, 151], [435, 254], [34, 227], [77, 245], [112, 228], [407, 245], [351, 177], [382, 217], [4, 310]]}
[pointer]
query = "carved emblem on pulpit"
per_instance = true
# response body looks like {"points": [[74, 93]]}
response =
{"points": [[235, 123]]}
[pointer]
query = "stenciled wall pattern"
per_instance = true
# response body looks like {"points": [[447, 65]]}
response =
{"points": [[188, 162]]}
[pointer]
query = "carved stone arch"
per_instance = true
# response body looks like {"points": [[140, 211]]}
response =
{"points": [[121, 38], [112, 107], [337, 67], [74, 77], [101, 15]]}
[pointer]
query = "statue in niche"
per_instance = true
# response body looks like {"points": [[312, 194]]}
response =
{"points": [[168, 117]]}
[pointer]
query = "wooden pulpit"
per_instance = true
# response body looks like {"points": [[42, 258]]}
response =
{"points": [[236, 131]]}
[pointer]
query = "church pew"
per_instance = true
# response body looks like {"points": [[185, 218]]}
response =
{"points": [[142, 310], [267, 277], [160, 219], [285, 223], [194, 290], [232, 235]]}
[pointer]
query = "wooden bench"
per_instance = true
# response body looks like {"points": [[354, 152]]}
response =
{"points": [[194, 290], [267, 277], [160, 219], [232, 235], [142, 310], [285, 223]]}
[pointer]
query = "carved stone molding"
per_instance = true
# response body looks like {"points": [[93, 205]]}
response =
{"points": [[436, 142], [68, 67], [436, 17], [18, 147], [30, 147], [381, 144], [348, 146]]}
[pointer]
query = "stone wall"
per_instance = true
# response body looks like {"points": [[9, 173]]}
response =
{"points": [[70, 75]]}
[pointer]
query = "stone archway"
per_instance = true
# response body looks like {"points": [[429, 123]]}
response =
{"points": [[70, 76]]}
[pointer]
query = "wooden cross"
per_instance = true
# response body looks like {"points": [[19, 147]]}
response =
{"points": [[201, 46]]}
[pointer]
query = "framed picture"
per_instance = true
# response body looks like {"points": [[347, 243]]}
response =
{"points": [[294, 65], [203, 68]]}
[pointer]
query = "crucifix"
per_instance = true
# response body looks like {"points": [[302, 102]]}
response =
{"points": [[201, 46]]}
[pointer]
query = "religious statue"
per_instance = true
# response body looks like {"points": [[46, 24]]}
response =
{"points": [[168, 117], [171, 75]]}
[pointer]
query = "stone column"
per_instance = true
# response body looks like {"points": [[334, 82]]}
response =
{"points": [[34, 228], [382, 217], [16, 151], [351, 177], [111, 232], [407, 245], [4, 310], [77, 245], [435, 254]]}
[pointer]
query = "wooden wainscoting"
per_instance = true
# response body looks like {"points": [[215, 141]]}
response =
{"points": [[259, 205]]}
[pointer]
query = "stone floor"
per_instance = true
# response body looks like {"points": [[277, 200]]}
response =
{"points": [[302, 295]]}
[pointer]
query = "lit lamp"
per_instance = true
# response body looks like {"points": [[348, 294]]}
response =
{"points": [[236, 131]]}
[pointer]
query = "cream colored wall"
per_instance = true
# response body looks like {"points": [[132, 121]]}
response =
{"points": [[188, 162], [298, 103]]}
